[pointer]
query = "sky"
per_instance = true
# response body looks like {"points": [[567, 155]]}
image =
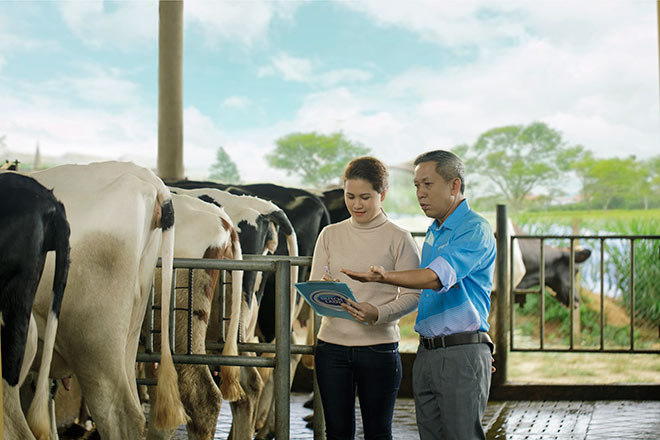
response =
{"points": [[399, 77]]}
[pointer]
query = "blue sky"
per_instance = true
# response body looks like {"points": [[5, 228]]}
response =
{"points": [[399, 77]]}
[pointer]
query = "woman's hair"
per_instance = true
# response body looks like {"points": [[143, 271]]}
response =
{"points": [[370, 169]]}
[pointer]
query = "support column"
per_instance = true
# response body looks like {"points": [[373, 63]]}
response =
{"points": [[170, 90], [502, 322]]}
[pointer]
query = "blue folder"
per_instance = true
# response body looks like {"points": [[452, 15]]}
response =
{"points": [[326, 297]]}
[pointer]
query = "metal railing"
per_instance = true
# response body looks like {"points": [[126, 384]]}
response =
{"points": [[282, 347], [574, 308]]}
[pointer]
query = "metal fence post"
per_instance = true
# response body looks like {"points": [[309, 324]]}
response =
{"points": [[282, 374], [504, 291]]}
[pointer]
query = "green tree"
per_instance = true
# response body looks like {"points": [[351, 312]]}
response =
{"points": [[614, 182], [317, 158], [224, 169], [518, 159], [652, 196]]}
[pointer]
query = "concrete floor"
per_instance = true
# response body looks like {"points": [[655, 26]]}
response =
{"points": [[514, 420]]}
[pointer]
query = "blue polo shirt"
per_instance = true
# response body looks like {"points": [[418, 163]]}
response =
{"points": [[461, 252]]}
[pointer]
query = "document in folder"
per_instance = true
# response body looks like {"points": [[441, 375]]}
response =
{"points": [[326, 297]]}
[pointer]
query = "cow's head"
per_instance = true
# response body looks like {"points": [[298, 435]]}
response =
{"points": [[557, 272]]}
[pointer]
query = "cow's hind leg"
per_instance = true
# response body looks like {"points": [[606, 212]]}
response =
{"points": [[110, 399]]}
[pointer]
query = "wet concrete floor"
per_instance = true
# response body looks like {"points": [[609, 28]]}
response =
{"points": [[516, 420]]}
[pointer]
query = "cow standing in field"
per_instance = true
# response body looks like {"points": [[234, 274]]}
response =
{"points": [[203, 231], [557, 267], [32, 223], [119, 215]]}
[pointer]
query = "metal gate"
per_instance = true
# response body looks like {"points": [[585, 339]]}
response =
{"points": [[505, 339], [282, 348]]}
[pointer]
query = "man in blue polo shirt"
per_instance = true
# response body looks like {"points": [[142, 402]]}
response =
{"points": [[452, 370]]}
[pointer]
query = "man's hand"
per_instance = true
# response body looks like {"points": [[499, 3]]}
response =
{"points": [[362, 312], [376, 274]]}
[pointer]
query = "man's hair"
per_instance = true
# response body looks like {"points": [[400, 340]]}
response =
{"points": [[370, 169], [447, 164]]}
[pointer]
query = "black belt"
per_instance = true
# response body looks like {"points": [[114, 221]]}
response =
{"points": [[456, 339]]}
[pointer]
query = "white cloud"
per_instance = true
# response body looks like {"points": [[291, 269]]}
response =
{"points": [[105, 87], [245, 22], [291, 68], [491, 24], [121, 24], [96, 22], [306, 71], [236, 102]]}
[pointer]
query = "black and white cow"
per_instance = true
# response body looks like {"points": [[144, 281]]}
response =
{"points": [[121, 220], [254, 218], [307, 214], [333, 199], [203, 231], [557, 266], [32, 223]]}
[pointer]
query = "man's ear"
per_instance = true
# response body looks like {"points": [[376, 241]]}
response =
{"points": [[455, 186], [382, 195]]}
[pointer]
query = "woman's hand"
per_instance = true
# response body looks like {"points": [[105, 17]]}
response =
{"points": [[361, 312], [327, 277]]}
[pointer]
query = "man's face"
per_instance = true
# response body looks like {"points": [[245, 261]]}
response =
{"points": [[435, 195]]}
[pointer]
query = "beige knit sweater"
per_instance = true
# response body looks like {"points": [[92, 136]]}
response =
{"points": [[355, 246]]}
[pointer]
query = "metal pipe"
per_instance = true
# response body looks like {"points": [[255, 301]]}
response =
{"points": [[170, 90], [282, 374], [210, 359], [261, 347], [571, 300], [503, 287], [542, 287], [206, 263], [319, 417], [190, 310], [172, 324], [149, 343], [632, 294], [602, 294]]}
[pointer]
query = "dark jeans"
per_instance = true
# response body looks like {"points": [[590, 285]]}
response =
{"points": [[372, 372]]}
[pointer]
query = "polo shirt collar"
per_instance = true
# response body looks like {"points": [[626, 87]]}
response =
{"points": [[454, 219]]}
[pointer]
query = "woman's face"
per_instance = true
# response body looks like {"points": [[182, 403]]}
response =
{"points": [[362, 200]]}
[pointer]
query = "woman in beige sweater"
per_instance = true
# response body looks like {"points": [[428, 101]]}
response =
{"points": [[361, 356]]}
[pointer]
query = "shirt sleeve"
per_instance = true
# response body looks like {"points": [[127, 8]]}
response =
{"points": [[407, 258], [462, 256]]}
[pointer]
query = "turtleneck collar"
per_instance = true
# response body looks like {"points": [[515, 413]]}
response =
{"points": [[380, 218]]}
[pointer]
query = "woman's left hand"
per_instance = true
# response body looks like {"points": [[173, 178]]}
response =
{"points": [[362, 312]]}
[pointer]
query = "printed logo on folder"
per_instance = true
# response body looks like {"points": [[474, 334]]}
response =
{"points": [[329, 298], [326, 297]]}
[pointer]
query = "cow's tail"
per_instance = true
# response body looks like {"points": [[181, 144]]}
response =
{"points": [[38, 415], [230, 387], [169, 409]]}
